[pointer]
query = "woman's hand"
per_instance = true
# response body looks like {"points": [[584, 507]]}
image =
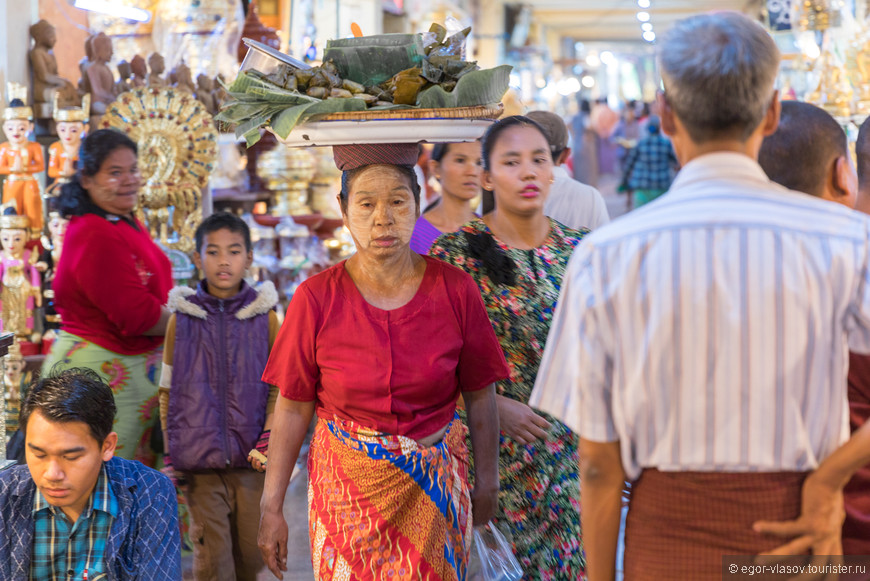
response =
{"points": [[520, 422], [288, 429], [272, 540]]}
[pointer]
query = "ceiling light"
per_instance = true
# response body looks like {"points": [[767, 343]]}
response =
{"points": [[568, 86], [588, 82], [643, 16], [114, 9], [643, 3], [646, 26], [593, 61], [607, 57], [649, 36]]}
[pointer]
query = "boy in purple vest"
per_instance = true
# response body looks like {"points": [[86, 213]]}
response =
{"points": [[213, 406]]}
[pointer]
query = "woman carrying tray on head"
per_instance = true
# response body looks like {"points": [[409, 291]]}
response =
{"points": [[380, 346], [518, 256], [457, 167]]}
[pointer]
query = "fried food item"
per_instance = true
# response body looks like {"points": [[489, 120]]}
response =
{"points": [[406, 85]]}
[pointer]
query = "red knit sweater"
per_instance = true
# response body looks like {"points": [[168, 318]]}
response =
{"points": [[110, 284]]}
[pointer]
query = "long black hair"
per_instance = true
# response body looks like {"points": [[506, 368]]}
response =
{"points": [[500, 268], [96, 147]]}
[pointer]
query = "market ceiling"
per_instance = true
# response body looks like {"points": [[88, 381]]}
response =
{"points": [[602, 20]]}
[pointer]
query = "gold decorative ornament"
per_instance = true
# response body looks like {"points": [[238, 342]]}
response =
{"points": [[286, 172], [17, 91], [177, 150], [834, 93], [857, 65], [13, 221], [72, 114], [816, 15]]}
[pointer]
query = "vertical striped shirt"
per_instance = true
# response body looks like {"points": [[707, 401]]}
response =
{"points": [[63, 551], [710, 329]]}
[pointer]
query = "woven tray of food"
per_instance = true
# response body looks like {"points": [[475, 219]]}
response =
{"points": [[398, 130], [478, 112], [372, 79]]}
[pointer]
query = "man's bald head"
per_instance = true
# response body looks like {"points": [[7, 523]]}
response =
{"points": [[803, 151]]}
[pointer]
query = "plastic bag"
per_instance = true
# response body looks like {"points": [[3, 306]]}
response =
{"points": [[491, 557]]}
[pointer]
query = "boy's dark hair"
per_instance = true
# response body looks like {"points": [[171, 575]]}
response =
{"points": [[222, 221], [71, 395], [805, 145]]}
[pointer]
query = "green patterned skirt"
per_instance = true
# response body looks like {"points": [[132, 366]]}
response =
{"points": [[133, 379], [539, 503]]}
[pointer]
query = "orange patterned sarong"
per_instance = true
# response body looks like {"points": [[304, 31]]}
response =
{"points": [[381, 507]]}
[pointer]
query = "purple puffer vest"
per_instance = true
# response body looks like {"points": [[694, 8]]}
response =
{"points": [[217, 403]]}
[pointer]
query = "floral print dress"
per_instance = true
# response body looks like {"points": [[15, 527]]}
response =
{"points": [[539, 499]]}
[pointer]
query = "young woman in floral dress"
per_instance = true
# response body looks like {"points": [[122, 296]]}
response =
{"points": [[518, 256]]}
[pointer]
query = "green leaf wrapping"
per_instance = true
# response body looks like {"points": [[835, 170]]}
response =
{"points": [[474, 88], [371, 60], [287, 119]]}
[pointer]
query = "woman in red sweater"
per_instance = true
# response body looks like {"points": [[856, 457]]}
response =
{"points": [[111, 286]]}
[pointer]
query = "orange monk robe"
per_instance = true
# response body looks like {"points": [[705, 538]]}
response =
{"points": [[22, 187], [57, 160]]}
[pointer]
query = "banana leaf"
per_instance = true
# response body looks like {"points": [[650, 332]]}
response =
{"points": [[371, 60], [474, 88], [283, 123]]}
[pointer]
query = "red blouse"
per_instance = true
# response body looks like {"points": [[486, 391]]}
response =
{"points": [[399, 371], [110, 284]]}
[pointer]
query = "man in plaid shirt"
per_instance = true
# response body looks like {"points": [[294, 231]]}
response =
{"points": [[649, 166], [75, 511]]}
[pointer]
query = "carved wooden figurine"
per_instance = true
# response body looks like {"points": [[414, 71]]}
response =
{"points": [[72, 122], [19, 278], [158, 67], [48, 260], [15, 383], [100, 76], [183, 79], [20, 159], [204, 93], [123, 83], [46, 82], [140, 72]]}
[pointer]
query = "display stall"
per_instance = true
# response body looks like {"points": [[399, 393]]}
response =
{"points": [[825, 58]]}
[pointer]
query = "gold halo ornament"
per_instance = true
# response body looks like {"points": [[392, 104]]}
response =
{"points": [[177, 149]]}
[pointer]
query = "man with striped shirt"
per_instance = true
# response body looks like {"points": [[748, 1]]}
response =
{"points": [[700, 344], [75, 512]]}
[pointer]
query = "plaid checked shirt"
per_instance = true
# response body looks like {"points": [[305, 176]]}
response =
{"points": [[648, 166], [67, 551]]}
